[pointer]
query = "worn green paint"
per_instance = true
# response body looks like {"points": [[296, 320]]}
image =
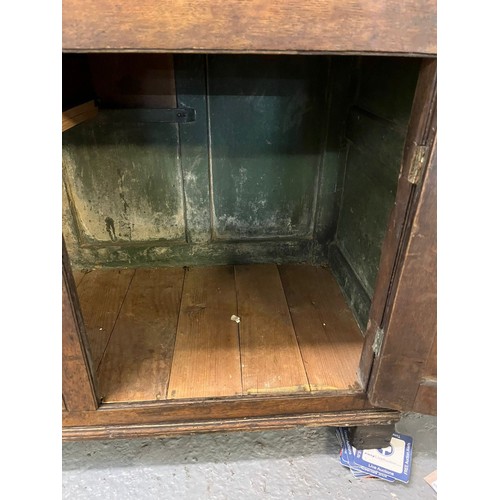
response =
{"points": [[190, 82], [341, 90], [375, 132], [197, 254], [370, 183], [289, 159], [267, 116], [124, 180], [354, 292], [378, 138]]}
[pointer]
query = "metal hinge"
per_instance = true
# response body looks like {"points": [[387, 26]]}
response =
{"points": [[417, 164], [377, 341]]}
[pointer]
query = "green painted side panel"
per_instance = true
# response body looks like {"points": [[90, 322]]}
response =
{"points": [[369, 191], [124, 180], [340, 85], [387, 86], [357, 298], [376, 129], [267, 118], [371, 177], [370, 184]]}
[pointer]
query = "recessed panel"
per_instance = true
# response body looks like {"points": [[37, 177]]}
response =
{"points": [[267, 127]]}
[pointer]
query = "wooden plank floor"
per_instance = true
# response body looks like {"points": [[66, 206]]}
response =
{"points": [[326, 330], [101, 296], [207, 355], [270, 355], [137, 361], [167, 333]]}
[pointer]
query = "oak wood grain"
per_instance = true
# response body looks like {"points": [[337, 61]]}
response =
{"points": [[387, 26], [409, 340], [275, 422], [171, 411], [426, 398]]}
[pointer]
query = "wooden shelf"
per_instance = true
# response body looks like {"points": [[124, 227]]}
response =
{"points": [[166, 333]]}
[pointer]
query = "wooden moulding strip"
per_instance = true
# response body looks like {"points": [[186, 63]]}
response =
{"points": [[78, 114], [338, 419], [172, 411]]}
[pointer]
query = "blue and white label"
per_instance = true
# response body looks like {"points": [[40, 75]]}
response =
{"points": [[347, 456], [393, 461]]}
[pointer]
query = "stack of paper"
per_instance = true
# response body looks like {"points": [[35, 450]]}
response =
{"points": [[390, 463]]}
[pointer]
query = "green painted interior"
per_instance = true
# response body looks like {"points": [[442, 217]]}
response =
{"points": [[266, 128], [124, 180], [375, 135], [290, 159]]}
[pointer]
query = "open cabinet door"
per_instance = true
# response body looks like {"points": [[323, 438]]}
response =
{"points": [[404, 375], [398, 366]]}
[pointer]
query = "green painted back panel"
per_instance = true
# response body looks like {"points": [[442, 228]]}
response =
{"points": [[124, 180], [256, 178], [191, 85], [267, 118]]}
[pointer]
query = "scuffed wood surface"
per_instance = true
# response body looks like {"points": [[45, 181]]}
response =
{"points": [[421, 130], [171, 411], [409, 341], [270, 356], [78, 276], [426, 399], [137, 361], [388, 26], [195, 350], [274, 422], [101, 295], [77, 373], [206, 359], [329, 338]]}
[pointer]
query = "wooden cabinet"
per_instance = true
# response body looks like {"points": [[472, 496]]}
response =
{"points": [[249, 216]]}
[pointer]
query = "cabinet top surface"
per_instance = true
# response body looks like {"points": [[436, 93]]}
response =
{"points": [[259, 26]]}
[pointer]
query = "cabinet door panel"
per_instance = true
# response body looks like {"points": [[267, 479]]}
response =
{"points": [[404, 374], [402, 322]]}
